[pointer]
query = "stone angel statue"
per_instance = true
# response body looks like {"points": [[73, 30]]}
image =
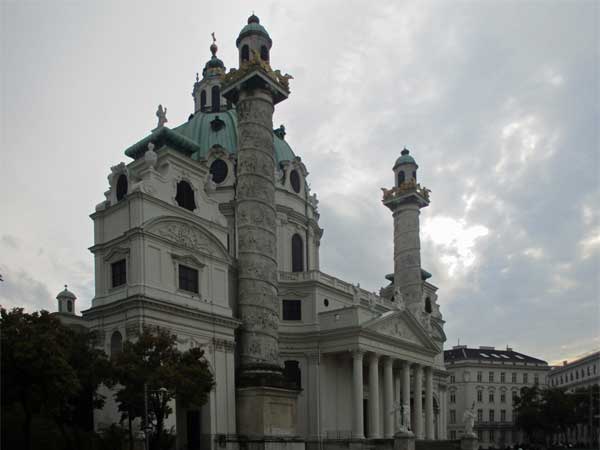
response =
{"points": [[161, 113], [469, 420]]}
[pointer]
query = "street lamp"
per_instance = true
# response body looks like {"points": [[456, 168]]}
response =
{"points": [[161, 391]]}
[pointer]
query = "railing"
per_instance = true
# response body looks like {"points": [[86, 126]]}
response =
{"points": [[331, 281]]}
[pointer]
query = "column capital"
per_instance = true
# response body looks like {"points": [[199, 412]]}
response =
{"points": [[374, 356], [358, 353]]}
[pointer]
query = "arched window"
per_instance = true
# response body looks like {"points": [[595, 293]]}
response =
{"points": [[121, 187], [245, 53], [264, 53], [202, 100], [400, 177], [292, 373], [297, 254], [428, 305], [185, 196], [116, 344], [415, 175], [70, 305], [295, 181], [215, 98], [219, 170]]}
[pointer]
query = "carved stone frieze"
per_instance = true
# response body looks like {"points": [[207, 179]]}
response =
{"points": [[185, 236], [248, 214]]}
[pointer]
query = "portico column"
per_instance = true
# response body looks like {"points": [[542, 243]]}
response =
{"points": [[406, 389], [374, 397], [418, 401], [397, 397], [357, 377], [388, 397], [429, 431]]}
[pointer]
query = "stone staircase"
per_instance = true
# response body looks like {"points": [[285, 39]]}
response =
{"points": [[437, 445]]}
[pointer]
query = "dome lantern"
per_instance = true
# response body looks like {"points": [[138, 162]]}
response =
{"points": [[66, 301], [405, 168], [253, 40]]}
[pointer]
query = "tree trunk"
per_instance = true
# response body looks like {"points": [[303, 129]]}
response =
{"points": [[27, 428], [130, 431]]}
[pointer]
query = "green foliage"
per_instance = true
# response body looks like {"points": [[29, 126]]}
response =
{"points": [[49, 371], [545, 412], [154, 361]]}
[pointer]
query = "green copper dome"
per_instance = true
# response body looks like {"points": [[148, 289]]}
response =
{"points": [[203, 131], [253, 27], [405, 158]]}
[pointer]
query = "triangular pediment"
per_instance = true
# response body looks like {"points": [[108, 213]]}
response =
{"points": [[401, 325]]}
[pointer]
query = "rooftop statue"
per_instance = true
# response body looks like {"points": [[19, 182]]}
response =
{"points": [[161, 113]]}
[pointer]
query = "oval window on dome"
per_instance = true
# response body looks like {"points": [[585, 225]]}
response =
{"points": [[295, 181], [121, 187], [219, 170]]}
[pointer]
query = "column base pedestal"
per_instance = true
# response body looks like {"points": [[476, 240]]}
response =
{"points": [[266, 412], [404, 440], [469, 442]]}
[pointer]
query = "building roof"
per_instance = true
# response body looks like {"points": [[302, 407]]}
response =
{"points": [[66, 294], [253, 27], [487, 354], [405, 158], [203, 131]]}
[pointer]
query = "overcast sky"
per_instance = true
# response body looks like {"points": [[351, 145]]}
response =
{"points": [[497, 101]]}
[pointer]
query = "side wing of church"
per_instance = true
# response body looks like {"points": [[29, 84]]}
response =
{"points": [[211, 231]]}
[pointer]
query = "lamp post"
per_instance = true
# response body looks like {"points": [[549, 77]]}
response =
{"points": [[162, 392]]}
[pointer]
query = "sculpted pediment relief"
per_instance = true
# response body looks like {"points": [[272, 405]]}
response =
{"points": [[189, 236], [396, 327], [401, 325]]}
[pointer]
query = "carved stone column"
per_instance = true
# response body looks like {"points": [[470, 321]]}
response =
{"points": [[388, 397], [358, 431], [257, 238], [374, 425], [418, 401], [429, 430]]}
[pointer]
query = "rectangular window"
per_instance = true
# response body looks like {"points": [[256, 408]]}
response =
{"points": [[452, 379], [452, 416], [502, 415], [491, 397], [452, 397], [479, 376], [119, 273], [514, 377], [502, 377], [188, 279], [536, 379], [292, 310], [480, 435], [491, 377], [479, 396], [480, 415], [492, 436], [503, 397], [525, 378], [453, 435], [491, 415]]}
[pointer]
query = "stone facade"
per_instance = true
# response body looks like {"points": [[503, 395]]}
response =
{"points": [[486, 380], [212, 232]]}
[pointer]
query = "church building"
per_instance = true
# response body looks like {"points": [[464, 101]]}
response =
{"points": [[210, 231]]}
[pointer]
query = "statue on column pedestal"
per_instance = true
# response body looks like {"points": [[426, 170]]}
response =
{"points": [[402, 425]]}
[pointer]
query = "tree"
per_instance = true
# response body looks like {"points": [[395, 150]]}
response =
{"points": [[556, 411], [528, 408], [154, 362], [49, 370]]}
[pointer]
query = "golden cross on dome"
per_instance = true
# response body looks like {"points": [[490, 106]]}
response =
{"points": [[213, 36]]}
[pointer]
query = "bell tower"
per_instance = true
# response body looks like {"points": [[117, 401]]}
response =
{"points": [[405, 200]]}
